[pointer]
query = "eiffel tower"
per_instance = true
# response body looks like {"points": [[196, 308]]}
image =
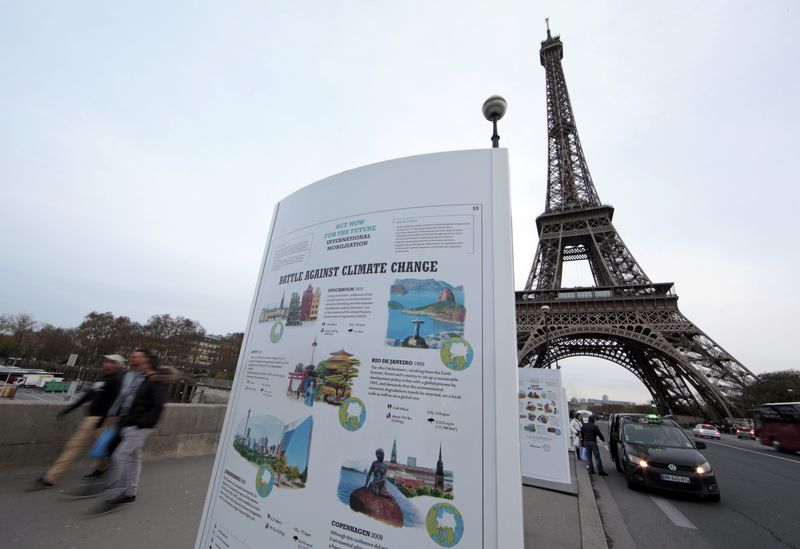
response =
{"points": [[624, 318]]}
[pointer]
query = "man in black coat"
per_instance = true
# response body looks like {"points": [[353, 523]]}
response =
{"points": [[100, 398], [589, 435], [142, 409]]}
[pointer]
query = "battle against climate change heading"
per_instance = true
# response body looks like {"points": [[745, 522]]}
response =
{"points": [[362, 269]]}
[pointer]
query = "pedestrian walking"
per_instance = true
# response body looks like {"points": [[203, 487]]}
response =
{"points": [[589, 435], [140, 409], [100, 397], [119, 408], [575, 432]]}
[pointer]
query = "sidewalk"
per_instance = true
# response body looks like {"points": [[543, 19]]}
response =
{"points": [[166, 513], [170, 503], [557, 520]]}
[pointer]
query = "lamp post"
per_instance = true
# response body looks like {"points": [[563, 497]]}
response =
{"points": [[493, 110]]}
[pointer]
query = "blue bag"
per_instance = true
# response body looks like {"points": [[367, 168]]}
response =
{"points": [[99, 449], [584, 455]]}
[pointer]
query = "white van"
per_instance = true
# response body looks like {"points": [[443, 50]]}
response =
{"points": [[584, 415]]}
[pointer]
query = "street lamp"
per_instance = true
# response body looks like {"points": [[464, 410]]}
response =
{"points": [[493, 110]]}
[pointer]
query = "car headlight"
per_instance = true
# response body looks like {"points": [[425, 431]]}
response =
{"points": [[636, 460], [703, 468]]}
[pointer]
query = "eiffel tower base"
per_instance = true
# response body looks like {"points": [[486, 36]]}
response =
{"points": [[640, 328]]}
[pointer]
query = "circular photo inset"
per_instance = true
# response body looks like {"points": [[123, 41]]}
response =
{"points": [[265, 480], [276, 333], [444, 524], [456, 353], [352, 414]]}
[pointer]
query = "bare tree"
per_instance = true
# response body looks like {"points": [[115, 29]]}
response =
{"points": [[172, 338], [95, 334], [17, 330]]}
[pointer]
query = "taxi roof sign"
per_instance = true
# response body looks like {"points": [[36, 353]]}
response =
{"points": [[652, 418]]}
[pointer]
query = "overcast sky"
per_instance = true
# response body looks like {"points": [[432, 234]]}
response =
{"points": [[143, 145]]}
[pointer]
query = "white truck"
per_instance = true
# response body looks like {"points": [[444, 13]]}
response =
{"points": [[36, 380]]}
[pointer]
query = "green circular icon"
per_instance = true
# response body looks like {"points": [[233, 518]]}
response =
{"points": [[276, 333], [352, 414], [456, 353], [444, 524]]}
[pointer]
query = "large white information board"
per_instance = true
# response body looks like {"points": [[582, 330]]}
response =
{"points": [[543, 429], [371, 406]]}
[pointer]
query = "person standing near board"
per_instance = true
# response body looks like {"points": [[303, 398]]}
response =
{"points": [[590, 432]]}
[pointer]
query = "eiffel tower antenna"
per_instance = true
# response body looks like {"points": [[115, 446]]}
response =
{"points": [[624, 317]]}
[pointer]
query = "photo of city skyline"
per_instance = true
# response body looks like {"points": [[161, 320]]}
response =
{"points": [[285, 447]]}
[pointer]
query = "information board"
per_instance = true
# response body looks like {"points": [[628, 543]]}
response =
{"points": [[544, 429], [365, 409]]}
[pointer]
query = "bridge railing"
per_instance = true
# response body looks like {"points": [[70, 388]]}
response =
{"points": [[599, 292]]}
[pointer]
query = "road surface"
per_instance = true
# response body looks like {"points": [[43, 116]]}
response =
{"points": [[759, 505]]}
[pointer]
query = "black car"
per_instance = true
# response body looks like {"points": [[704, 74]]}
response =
{"points": [[656, 453]]}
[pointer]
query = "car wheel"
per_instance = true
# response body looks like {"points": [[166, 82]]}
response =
{"points": [[714, 498]]}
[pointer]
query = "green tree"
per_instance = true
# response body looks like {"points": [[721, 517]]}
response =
{"points": [[54, 344], [279, 466], [339, 375], [781, 386], [292, 473], [407, 491]]}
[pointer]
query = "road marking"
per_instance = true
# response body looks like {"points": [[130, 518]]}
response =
{"points": [[754, 452], [672, 512]]}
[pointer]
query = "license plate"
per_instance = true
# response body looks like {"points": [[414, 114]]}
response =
{"points": [[676, 478]]}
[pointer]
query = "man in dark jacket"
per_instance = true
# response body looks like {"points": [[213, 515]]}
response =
{"points": [[589, 435], [100, 397], [141, 411]]}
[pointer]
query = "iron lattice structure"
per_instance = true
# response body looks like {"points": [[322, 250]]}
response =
{"points": [[624, 318]]}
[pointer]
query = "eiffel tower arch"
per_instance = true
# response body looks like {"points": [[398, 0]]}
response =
{"points": [[624, 318]]}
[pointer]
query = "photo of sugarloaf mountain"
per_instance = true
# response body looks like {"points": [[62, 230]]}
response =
{"points": [[330, 380], [423, 314], [395, 491], [285, 447], [298, 309]]}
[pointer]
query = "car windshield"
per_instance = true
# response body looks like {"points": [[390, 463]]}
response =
{"points": [[655, 434]]}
